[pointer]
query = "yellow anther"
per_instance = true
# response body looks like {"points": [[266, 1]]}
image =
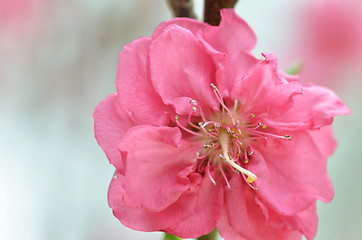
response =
{"points": [[288, 137], [252, 115], [263, 127], [177, 117]]}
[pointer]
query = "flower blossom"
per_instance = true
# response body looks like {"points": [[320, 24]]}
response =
{"points": [[330, 40], [203, 134]]}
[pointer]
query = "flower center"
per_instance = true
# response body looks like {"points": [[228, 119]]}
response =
{"points": [[227, 137]]}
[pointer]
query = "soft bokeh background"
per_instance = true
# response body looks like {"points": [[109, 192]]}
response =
{"points": [[58, 59]]}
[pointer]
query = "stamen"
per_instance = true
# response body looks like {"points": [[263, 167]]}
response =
{"points": [[195, 105], [209, 174], [221, 101], [223, 175], [224, 142], [184, 128], [210, 134], [273, 135]]}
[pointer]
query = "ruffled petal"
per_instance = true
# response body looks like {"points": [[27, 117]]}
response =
{"points": [[206, 211], [192, 25], [110, 124], [315, 108], [245, 216], [157, 166], [134, 87], [225, 229], [142, 219], [194, 214], [181, 70], [291, 174], [232, 35], [304, 222], [236, 39], [266, 90]]}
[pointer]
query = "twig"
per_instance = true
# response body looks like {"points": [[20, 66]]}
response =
{"points": [[212, 10], [182, 8]]}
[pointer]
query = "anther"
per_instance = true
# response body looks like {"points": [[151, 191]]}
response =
{"points": [[213, 86], [288, 137], [194, 108], [177, 117], [252, 115], [246, 161]]}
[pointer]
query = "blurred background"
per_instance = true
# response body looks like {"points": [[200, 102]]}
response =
{"points": [[58, 60]]}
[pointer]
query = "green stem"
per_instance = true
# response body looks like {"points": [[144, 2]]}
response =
{"points": [[210, 236], [171, 237]]}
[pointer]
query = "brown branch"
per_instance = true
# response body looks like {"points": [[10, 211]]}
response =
{"points": [[212, 10], [182, 8]]}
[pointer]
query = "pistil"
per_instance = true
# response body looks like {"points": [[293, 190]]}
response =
{"points": [[224, 143]]}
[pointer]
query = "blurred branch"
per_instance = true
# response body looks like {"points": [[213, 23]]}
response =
{"points": [[182, 8], [212, 10]]}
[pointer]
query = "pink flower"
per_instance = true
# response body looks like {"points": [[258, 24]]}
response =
{"points": [[330, 41], [204, 135]]}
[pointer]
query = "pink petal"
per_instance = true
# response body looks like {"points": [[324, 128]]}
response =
{"points": [[232, 35], [305, 222], [245, 217], [206, 210], [291, 174], [134, 87], [315, 108], [181, 70], [157, 166], [192, 25], [110, 124], [194, 214], [226, 230], [265, 89], [236, 39], [142, 219]]}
